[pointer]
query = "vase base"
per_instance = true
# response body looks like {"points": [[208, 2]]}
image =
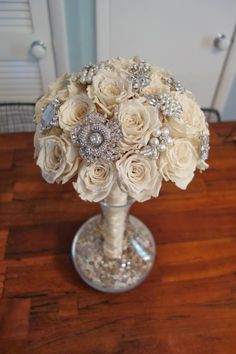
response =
{"points": [[113, 275]]}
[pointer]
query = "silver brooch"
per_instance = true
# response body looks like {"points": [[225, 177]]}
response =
{"points": [[173, 84], [87, 73], [98, 138], [158, 142], [167, 105], [49, 116], [205, 147], [139, 74]]}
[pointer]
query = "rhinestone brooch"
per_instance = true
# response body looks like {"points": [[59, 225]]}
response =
{"points": [[168, 106], [158, 142], [173, 84], [49, 116], [98, 138], [89, 71], [139, 74], [205, 147]]}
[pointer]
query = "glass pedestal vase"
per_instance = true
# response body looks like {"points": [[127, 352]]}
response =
{"points": [[114, 251]]}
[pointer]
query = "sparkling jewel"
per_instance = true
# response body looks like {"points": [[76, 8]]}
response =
{"points": [[166, 104], [169, 106], [49, 116], [98, 138], [87, 73], [146, 150], [139, 74], [173, 84], [205, 147]]}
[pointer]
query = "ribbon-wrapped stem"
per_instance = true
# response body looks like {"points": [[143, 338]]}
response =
{"points": [[115, 209]]}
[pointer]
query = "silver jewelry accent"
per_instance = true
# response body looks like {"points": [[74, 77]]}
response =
{"points": [[173, 84], [205, 147], [98, 138], [158, 143], [87, 73], [139, 74], [49, 116], [166, 104]]}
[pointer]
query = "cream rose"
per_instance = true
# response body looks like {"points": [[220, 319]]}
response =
{"points": [[192, 122], [109, 89], [65, 86], [57, 158], [156, 86], [179, 162], [74, 110], [139, 177], [137, 122], [95, 181]]}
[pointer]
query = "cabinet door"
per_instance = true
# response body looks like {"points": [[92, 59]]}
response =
{"points": [[177, 35], [23, 77]]}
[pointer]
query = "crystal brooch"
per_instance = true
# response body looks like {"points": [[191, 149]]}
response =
{"points": [[98, 138], [205, 147], [49, 116], [89, 71], [173, 84], [139, 74], [167, 105]]}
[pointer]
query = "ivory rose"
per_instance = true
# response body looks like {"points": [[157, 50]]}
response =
{"points": [[156, 87], [137, 122], [109, 89], [74, 110], [192, 122], [57, 158], [139, 176], [179, 162], [95, 181]]}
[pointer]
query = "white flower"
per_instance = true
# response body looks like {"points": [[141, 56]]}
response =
{"points": [[95, 181], [109, 89], [74, 110], [139, 176], [137, 122], [192, 122], [156, 87], [179, 162], [65, 86], [57, 158], [120, 64]]}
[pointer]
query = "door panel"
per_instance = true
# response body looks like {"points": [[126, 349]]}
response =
{"points": [[23, 78]]}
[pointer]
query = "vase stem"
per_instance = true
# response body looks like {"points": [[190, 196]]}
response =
{"points": [[115, 210]]}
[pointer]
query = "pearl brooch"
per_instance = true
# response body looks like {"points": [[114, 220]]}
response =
{"points": [[167, 105], [158, 143]]}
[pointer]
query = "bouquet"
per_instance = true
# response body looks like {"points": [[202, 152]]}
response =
{"points": [[120, 127]]}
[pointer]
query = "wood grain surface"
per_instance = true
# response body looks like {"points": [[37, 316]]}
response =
{"points": [[186, 306]]}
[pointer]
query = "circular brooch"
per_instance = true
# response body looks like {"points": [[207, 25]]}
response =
{"points": [[98, 138]]}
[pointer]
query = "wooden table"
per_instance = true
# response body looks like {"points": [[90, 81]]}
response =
{"points": [[187, 304]]}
